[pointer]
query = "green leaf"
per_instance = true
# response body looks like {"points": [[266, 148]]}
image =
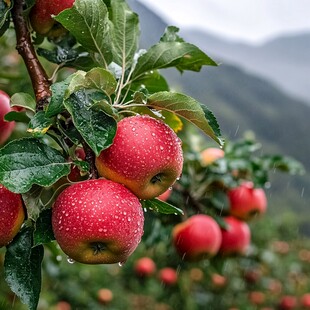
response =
{"points": [[22, 268], [96, 127], [39, 124], [5, 7], [160, 206], [165, 54], [29, 161], [125, 33], [23, 100], [56, 105], [43, 228], [88, 21], [189, 109], [97, 78], [17, 117]]}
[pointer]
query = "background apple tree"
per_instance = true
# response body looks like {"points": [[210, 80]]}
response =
{"points": [[68, 89]]}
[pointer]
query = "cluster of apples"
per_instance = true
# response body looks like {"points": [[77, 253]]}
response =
{"points": [[145, 267], [200, 236], [100, 221]]}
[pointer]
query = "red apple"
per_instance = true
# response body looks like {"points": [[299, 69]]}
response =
{"points": [[75, 173], [288, 302], [6, 128], [168, 276], [218, 281], [97, 222], [41, 14], [165, 196], [12, 215], [197, 238], [236, 238], [305, 301], [246, 201], [145, 267], [63, 305], [257, 298], [146, 156], [210, 155], [105, 296]]}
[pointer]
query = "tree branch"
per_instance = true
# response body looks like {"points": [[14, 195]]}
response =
{"points": [[39, 79]]}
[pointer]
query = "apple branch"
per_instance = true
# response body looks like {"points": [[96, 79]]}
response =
{"points": [[24, 46]]}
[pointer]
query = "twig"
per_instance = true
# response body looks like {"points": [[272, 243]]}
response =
{"points": [[39, 78]]}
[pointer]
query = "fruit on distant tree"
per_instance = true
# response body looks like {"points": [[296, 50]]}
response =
{"points": [[305, 301], [97, 222], [236, 237], [257, 297], [210, 155], [197, 238], [246, 201], [288, 302], [12, 215], [146, 156], [218, 281], [6, 128], [196, 274], [144, 267], [105, 296], [168, 276], [63, 305], [41, 15]]}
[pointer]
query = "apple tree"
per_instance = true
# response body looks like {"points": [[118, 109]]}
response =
{"points": [[93, 125]]}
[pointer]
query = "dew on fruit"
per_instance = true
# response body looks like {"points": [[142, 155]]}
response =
{"points": [[70, 260], [121, 264]]}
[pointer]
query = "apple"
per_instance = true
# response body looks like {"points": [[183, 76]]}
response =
{"points": [[75, 173], [257, 298], [218, 281], [145, 267], [288, 302], [6, 128], [236, 237], [12, 215], [197, 238], [63, 305], [165, 195], [168, 276], [97, 222], [41, 16], [252, 276], [246, 201], [105, 296], [196, 274], [305, 301], [210, 155], [146, 156]]}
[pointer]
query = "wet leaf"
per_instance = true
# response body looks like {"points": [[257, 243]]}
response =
{"points": [[160, 206]]}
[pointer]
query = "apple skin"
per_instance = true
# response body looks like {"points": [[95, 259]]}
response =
{"points": [[145, 267], [236, 238], [288, 302], [6, 128], [246, 201], [305, 301], [97, 222], [210, 155], [12, 215], [168, 276], [197, 238], [41, 14], [165, 195], [146, 156]]}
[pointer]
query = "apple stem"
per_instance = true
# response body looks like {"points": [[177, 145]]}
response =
{"points": [[24, 46]]}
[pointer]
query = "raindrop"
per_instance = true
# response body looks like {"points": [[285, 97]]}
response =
{"points": [[70, 260], [121, 264]]}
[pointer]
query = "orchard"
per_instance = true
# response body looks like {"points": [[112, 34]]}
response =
{"points": [[116, 191]]}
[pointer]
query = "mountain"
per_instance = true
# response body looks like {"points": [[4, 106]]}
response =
{"points": [[284, 61], [242, 101]]}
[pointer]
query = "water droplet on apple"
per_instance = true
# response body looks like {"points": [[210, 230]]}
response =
{"points": [[70, 260], [121, 264]]}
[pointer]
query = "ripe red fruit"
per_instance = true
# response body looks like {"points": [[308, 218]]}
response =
{"points": [[168, 276], [63, 305], [75, 173], [218, 281], [165, 196], [236, 238], [105, 296], [145, 267], [146, 156], [210, 155], [97, 222], [6, 128], [246, 201], [41, 14], [288, 302], [197, 238], [257, 298], [305, 301], [12, 215]]}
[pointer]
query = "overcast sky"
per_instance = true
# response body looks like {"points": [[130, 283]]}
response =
{"points": [[253, 21]]}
